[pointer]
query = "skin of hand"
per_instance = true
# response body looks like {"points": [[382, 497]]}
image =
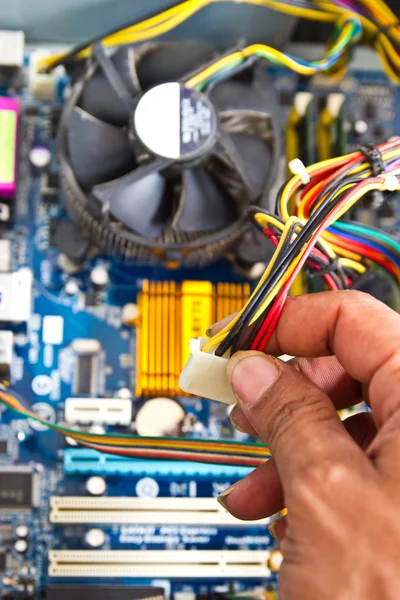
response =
{"points": [[340, 481]]}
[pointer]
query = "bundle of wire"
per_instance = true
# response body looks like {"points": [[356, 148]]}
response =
{"points": [[371, 20], [314, 238], [205, 451]]}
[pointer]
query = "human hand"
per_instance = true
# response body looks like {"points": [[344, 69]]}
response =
{"points": [[339, 481]]}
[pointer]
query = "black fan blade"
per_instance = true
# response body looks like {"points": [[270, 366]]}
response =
{"points": [[98, 151], [170, 61], [237, 95], [138, 203], [99, 98], [204, 205], [256, 157]]}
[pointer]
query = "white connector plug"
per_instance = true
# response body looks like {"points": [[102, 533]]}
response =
{"points": [[205, 375], [297, 167]]}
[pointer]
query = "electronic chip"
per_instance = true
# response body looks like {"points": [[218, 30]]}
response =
{"points": [[103, 592], [3, 561], [18, 488], [3, 447]]}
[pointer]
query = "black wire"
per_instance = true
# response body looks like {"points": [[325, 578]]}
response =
{"points": [[341, 278], [82, 45], [321, 212], [89, 42], [283, 262], [257, 299], [377, 229]]}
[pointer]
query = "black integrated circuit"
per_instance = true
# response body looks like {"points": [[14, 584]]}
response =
{"points": [[102, 592], [3, 561], [18, 488]]}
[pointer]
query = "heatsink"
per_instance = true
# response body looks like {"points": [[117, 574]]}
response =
{"points": [[170, 315]]}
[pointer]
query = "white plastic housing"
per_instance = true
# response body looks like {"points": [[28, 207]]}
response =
{"points": [[160, 511], [103, 411], [187, 564], [205, 375]]}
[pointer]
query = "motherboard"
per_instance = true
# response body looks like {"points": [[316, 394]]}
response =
{"points": [[94, 333]]}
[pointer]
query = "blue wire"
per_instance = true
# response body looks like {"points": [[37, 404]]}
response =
{"points": [[362, 240]]}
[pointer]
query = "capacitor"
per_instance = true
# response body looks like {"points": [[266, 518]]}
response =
{"points": [[184, 595], [160, 416], [71, 287], [21, 546], [71, 441], [360, 127], [130, 314], [95, 538], [21, 531], [99, 277], [40, 157], [96, 486], [124, 393], [97, 429]]}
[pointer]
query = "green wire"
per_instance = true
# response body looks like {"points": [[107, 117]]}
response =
{"points": [[380, 235], [67, 430]]}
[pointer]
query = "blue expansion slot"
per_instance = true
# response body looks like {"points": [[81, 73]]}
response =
{"points": [[83, 461]]}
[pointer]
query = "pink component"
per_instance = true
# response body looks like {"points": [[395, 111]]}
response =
{"points": [[9, 126]]}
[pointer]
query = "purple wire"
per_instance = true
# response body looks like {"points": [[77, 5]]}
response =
{"points": [[348, 4]]}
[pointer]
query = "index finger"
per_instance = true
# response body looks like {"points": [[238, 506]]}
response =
{"points": [[360, 331]]}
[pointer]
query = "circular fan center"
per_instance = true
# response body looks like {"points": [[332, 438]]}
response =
{"points": [[175, 122]]}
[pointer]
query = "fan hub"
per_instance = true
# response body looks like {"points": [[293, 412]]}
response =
{"points": [[175, 122]]}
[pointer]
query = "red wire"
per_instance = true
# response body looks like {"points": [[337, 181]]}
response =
{"points": [[323, 174], [271, 320], [149, 453], [368, 252]]}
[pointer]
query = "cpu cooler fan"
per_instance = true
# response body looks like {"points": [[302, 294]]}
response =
{"points": [[153, 168]]}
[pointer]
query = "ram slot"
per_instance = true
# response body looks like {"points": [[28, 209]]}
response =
{"points": [[331, 134], [300, 144], [299, 129]]}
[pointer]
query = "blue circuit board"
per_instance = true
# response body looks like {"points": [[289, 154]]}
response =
{"points": [[42, 373]]}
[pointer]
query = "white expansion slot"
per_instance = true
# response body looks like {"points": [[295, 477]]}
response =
{"points": [[237, 564], [105, 411], [174, 511]]}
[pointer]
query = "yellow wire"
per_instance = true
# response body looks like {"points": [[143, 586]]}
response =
{"points": [[162, 443], [352, 264], [170, 18], [217, 339], [348, 258]]}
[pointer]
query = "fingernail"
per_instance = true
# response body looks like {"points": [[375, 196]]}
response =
{"points": [[272, 529], [223, 497], [252, 376], [232, 418], [219, 325]]}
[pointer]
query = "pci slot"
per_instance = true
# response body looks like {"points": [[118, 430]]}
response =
{"points": [[238, 564], [160, 511], [84, 461]]}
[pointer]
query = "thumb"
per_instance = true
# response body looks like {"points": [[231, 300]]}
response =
{"points": [[294, 417]]}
